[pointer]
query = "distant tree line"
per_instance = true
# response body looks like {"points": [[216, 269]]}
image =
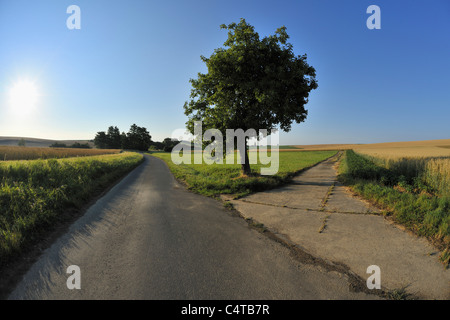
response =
{"points": [[166, 145], [137, 138], [21, 143], [75, 145]]}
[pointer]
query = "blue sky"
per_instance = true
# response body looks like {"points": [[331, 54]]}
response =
{"points": [[131, 62]]}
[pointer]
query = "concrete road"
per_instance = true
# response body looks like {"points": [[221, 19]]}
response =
{"points": [[319, 214], [149, 238]]}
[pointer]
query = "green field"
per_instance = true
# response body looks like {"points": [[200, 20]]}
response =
{"points": [[412, 199], [286, 147], [215, 179], [35, 194]]}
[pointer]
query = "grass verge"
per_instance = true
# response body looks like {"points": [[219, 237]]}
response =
{"points": [[215, 179], [35, 194], [410, 203]]}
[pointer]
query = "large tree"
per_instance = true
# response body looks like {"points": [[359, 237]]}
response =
{"points": [[101, 140], [115, 141], [138, 138], [251, 83]]}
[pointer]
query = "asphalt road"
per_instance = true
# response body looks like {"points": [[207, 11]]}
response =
{"points": [[150, 238]]}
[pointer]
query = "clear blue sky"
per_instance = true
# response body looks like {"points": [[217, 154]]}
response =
{"points": [[132, 60]]}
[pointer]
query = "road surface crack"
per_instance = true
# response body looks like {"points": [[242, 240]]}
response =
{"points": [[306, 209]]}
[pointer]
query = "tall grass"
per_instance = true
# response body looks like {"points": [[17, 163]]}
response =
{"points": [[437, 175], [28, 153], [414, 191], [433, 172], [34, 194]]}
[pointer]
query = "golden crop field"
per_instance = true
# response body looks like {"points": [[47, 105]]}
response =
{"points": [[427, 148], [29, 153], [427, 160], [412, 149]]}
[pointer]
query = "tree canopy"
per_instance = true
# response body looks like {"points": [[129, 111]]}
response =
{"points": [[251, 83], [137, 138], [22, 143]]}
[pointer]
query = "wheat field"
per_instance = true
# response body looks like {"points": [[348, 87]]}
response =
{"points": [[426, 160], [33, 153], [437, 148]]}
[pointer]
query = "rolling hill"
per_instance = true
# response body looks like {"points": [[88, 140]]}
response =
{"points": [[36, 142]]}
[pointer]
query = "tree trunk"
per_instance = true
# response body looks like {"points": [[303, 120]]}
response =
{"points": [[245, 166]]}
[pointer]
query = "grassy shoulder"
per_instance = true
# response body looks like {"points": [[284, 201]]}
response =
{"points": [[34, 194], [410, 202], [216, 179]]}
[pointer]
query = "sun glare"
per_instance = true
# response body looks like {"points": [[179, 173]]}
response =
{"points": [[23, 97]]}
